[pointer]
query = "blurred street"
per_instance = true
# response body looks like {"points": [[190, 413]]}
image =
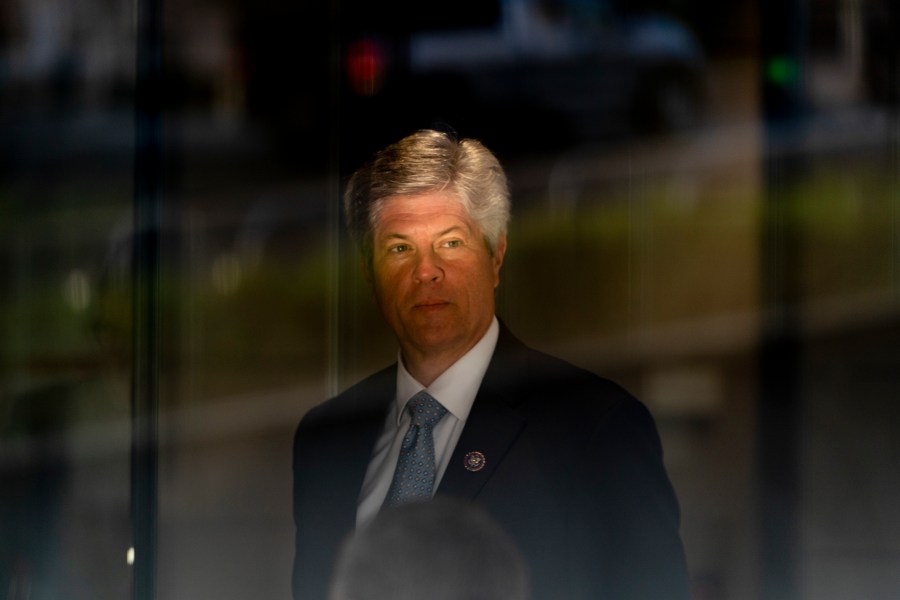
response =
{"points": [[681, 264]]}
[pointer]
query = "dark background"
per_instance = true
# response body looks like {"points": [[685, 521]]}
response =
{"points": [[176, 288]]}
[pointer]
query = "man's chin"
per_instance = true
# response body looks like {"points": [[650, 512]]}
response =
{"points": [[436, 338]]}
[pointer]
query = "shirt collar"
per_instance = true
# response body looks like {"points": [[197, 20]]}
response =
{"points": [[456, 387]]}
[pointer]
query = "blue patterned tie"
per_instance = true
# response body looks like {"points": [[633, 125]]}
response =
{"points": [[414, 477]]}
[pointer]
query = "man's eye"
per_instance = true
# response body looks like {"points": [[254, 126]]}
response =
{"points": [[452, 244], [398, 249]]}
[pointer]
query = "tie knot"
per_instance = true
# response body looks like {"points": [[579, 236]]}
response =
{"points": [[425, 410]]}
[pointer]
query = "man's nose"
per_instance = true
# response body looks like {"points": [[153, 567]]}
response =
{"points": [[429, 267]]}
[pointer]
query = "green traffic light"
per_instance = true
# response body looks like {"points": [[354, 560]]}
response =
{"points": [[782, 70]]}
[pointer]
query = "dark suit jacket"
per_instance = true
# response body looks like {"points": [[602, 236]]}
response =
{"points": [[573, 473]]}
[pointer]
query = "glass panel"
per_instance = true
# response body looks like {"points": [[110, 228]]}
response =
{"points": [[705, 211], [67, 147]]}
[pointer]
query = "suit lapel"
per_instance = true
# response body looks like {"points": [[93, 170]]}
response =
{"points": [[493, 425], [353, 441], [491, 430], [356, 452]]}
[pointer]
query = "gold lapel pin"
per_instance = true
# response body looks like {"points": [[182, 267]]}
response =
{"points": [[474, 461]]}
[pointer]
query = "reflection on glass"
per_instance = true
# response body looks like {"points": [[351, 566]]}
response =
{"points": [[671, 258]]}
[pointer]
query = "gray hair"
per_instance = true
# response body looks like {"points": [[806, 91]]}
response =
{"points": [[429, 161]]}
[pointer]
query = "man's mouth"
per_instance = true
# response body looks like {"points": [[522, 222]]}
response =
{"points": [[428, 304]]}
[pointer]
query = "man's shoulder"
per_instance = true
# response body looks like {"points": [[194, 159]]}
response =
{"points": [[554, 376], [549, 389], [368, 396], [538, 373], [345, 420], [568, 407], [559, 370]]}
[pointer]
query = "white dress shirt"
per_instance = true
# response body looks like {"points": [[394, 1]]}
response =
{"points": [[455, 389]]}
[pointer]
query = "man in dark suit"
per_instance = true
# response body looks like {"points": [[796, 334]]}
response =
{"points": [[568, 463]]}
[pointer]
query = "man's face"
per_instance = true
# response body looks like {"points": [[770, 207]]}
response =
{"points": [[433, 275]]}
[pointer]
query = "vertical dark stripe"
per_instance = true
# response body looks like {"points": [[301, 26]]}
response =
{"points": [[146, 276], [779, 407], [336, 231]]}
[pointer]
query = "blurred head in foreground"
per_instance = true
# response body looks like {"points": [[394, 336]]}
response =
{"points": [[443, 549]]}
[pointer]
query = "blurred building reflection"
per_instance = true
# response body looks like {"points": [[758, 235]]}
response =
{"points": [[725, 245]]}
